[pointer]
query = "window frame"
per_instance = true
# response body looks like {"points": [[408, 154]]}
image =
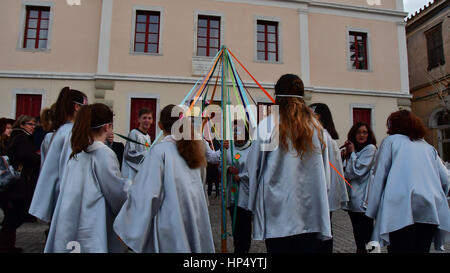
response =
{"points": [[429, 38], [137, 8], [279, 38], [368, 50], [26, 91], [23, 25], [370, 107], [208, 47], [199, 60]]}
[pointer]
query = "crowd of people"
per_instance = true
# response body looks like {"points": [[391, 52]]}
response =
{"points": [[108, 197]]}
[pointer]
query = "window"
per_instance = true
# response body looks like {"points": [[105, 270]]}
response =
{"points": [[28, 105], [208, 35], [267, 41], [362, 114], [147, 31], [443, 123], [435, 47], [36, 27], [358, 50]]}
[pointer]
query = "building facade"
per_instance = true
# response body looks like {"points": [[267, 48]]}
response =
{"points": [[428, 42], [351, 54]]}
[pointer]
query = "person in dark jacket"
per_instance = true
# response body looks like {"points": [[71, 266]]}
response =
{"points": [[20, 150], [117, 147]]}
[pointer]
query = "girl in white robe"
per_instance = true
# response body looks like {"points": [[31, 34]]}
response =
{"points": [[166, 209], [92, 189], [337, 194], [47, 187], [407, 198], [288, 183], [360, 153]]}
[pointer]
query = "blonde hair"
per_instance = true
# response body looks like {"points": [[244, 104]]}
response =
{"points": [[297, 121]]}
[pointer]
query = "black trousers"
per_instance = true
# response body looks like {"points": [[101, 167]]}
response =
{"points": [[301, 243], [362, 230], [327, 246], [242, 237], [213, 176], [415, 238]]}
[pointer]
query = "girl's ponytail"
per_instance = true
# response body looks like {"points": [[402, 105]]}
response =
{"points": [[82, 131]]}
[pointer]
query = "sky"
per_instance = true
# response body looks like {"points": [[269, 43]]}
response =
{"points": [[412, 6]]}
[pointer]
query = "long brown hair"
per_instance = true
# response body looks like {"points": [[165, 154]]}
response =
{"points": [[352, 136], [192, 151], [47, 118], [65, 105], [297, 121], [90, 120], [3, 139], [406, 123]]}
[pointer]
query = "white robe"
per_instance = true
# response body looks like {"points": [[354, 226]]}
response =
{"points": [[47, 187], [133, 153], [288, 194], [337, 194], [45, 145], [92, 193], [358, 172], [166, 209], [410, 186]]}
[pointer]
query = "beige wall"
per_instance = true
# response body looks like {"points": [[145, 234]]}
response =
{"points": [[329, 58], [340, 109], [51, 90], [74, 38], [178, 24], [384, 4]]}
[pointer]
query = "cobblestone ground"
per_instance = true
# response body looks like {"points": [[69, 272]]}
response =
{"points": [[31, 237]]}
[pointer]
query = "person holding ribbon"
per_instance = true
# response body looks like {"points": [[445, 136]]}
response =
{"points": [[288, 181], [237, 188], [359, 154], [138, 142], [166, 209]]}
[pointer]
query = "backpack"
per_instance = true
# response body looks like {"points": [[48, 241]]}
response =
{"points": [[8, 176]]}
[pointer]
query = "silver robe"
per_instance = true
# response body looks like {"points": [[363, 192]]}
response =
{"points": [[47, 187], [337, 194], [166, 210], [358, 172], [133, 153], [410, 186], [45, 145], [243, 151], [287, 194], [92, 193]]}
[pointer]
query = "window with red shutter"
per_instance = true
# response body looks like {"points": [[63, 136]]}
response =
{"points": [[362, 114], [146, 37], [36, 27], [28, 105], [208, 35], [267, 41], [358, 50]]}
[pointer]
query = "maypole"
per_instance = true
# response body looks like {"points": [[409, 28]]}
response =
{"points": [[224, 153]]}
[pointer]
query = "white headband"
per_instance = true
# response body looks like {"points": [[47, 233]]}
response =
{"points": [[290, 96], [101, 125]]}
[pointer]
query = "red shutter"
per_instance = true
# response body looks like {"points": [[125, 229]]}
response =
{"points": [[362, 114], [28, 105], [136, 105]]}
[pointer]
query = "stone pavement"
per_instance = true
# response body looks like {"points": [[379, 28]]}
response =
{"points": [[31, 237]]}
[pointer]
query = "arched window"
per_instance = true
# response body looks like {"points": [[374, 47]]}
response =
{"points": [[440, 120]]}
